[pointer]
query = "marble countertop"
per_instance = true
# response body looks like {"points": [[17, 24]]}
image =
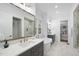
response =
{"points": [[18, 48]]}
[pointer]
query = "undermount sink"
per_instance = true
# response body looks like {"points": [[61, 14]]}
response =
{"points": [[23, 44], [27, 43]]}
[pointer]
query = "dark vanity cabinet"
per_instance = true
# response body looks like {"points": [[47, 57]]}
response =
{"points": [[37, 50], [52, 37]]}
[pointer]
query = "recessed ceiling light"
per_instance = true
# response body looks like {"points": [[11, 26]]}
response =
{"points": [[57, 12], [56, 6]]}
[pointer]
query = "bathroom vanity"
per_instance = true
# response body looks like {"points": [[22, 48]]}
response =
{"points": [[52, 37], [37, 50], [30, 48]]}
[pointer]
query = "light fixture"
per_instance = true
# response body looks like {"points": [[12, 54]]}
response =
{"points": [[56, 6]]}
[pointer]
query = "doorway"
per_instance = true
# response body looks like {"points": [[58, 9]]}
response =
{"points": [[64, 31], [16, 27]]}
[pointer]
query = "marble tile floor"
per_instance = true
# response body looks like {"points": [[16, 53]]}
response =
{"points": [[62, 49]]}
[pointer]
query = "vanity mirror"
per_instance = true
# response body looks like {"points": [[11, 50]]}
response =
{"points": [[29, 27]]}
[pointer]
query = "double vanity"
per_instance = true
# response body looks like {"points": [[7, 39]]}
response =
{"points": [[33, 47]]}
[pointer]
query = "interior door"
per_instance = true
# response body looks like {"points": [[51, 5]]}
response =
{"points": [[64, 31]]}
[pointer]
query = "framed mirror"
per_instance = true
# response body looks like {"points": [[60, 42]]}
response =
{"points": [[29, 27]]}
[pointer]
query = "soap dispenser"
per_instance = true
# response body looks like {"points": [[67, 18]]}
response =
{"points": [[6, 44]]}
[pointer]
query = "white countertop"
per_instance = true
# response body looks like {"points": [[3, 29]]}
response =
{"points": [[16, 49]]}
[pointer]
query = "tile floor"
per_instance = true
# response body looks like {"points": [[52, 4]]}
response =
{"points": [[62, 49]]}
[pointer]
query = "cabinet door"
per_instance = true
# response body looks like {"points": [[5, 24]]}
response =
{"points": [[41, 49], [34, 51], [26, 53], [38, 50]]}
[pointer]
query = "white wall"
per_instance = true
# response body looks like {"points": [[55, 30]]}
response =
{"points": [[71, 33], [55, 28], [7, 11], [74, 30], [43, 17]]}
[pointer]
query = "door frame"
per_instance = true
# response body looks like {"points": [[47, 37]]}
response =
{"points": [[60, 31]]}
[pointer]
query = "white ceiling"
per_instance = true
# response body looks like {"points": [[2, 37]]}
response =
{"points": [[61, 12]]}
